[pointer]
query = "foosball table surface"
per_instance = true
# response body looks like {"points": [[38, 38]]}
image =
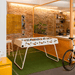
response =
{"points": [[35, 41]]}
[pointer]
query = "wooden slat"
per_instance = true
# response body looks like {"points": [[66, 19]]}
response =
{"points": [[71, 18]]}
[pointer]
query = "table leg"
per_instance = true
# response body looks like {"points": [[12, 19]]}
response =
{"points": [[20, 55], [49, 56], [8, 48], [21, 59], [12, 49]]}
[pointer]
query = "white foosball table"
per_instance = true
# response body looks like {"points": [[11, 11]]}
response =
{"points": [[32, 42]]}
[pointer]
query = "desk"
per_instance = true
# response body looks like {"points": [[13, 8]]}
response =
{"points": [[32, 42]]}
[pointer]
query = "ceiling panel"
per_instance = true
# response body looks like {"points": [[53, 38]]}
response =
{"points": [[34, 1], [68, 0], [45, 1], [31, 1], [60, 4], [26, 1]]}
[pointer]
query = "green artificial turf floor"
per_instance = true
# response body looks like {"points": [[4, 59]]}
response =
{"points": [[36, 61]]}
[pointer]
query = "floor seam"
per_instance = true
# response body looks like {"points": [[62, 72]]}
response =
{"points": [[15, 72]]}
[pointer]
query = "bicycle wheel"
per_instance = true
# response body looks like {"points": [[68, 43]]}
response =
{"points": [[67, 62]]}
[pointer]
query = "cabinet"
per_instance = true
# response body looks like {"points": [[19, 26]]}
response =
{"points": [[5, 66]]}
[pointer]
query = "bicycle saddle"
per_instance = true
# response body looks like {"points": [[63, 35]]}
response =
{"points": [[71, 38]]}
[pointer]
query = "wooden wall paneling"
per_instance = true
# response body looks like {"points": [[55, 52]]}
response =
{"points": [[19, 18], [13, 24], [16, 18], [18, 27], [18, 24], [13, 27], [9, 23]]}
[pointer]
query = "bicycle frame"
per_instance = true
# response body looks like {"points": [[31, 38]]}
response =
{"points": [[73, 54], [73, 45], [70, 58]]}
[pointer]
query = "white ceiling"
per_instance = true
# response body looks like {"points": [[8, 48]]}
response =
{"points": [[68, 0], [61, 4], [25, 1], [31, 1]]}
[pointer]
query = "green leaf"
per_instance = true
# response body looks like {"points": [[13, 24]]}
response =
{"points": [[40, 23], [44, 25]]}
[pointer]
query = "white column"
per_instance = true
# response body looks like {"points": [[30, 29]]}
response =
{"points": [[3, 26]]}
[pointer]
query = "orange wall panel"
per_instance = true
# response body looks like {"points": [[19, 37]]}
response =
{"points": [[13, 24]]}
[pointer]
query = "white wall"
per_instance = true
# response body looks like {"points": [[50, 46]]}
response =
{"points": [[3, 26]]}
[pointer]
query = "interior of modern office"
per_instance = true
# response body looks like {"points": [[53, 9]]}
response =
{"points": [[37, 37]]}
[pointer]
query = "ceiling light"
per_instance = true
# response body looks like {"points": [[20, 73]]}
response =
{"points": [[46, 8], [16, 4]]}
